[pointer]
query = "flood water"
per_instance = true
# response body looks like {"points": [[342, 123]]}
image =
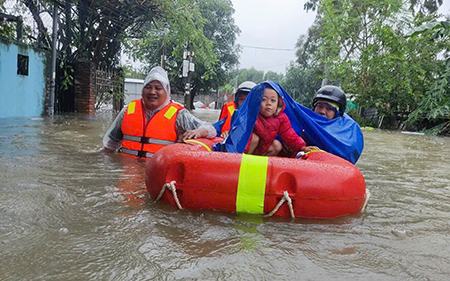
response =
{"points": [[70, 212]]}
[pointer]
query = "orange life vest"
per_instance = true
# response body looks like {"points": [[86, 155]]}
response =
{"points": [[143, 140], [227, 112]]}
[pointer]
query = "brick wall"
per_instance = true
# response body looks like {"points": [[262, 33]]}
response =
{"points": [[84, 88]]}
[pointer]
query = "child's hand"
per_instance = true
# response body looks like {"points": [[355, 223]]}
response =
{"points": [[224, 134], [310, 148], [300, 154], [305, 150]]}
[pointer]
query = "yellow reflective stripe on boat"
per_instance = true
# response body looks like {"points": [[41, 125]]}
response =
{"points": [[252, 184], [205, 146]]}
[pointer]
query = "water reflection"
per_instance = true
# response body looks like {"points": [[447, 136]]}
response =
{"points": [[70, 212]]}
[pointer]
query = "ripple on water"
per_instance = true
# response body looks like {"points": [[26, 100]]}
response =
{"points": [[70, 212]]}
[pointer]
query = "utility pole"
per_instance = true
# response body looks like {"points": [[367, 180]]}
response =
{"points": [[51, 107], [163, 56], [188, 68]]}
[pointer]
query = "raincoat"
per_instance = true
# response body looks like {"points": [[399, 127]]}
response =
{"points": [[341, 136]]}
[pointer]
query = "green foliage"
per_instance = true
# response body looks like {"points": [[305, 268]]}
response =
{"points": [[301, 83], [367, 47], [90, 31], [204, 27], [435, 104], [271, 75], [249, 74], [130, 72], [7, 29], [227, 88]]}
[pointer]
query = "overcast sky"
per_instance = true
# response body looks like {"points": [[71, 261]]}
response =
{"points": [[270, 24], [274, 24]]}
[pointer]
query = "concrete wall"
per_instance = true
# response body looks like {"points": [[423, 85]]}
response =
{"points": [[133, 89], [20, 95]]}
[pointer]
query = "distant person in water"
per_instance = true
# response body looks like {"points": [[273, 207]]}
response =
{"points": [[330, 102], [223, 125], [148, 124], [270, 123]]}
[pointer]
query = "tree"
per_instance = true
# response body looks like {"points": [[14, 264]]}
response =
{"points": [[434, 107], [11, 26], [249, 74], [361, 46], [90, 30], [301, 83], [271, 75], [131, 72], [206, 28]]}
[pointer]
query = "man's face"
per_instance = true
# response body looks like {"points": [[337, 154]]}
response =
{"points": [[153, 95], [241, 98], [325, 109]]}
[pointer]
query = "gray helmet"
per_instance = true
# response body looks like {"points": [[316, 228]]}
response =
{"points": [[246, 86], [331, 93]]}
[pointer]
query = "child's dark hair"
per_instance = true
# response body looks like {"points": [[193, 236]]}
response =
{"points": [[279, 105]]}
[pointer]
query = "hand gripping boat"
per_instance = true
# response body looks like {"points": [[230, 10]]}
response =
{"points": [[319, 185]]}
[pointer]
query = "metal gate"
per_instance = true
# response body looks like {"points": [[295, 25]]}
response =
{"points": [[109, 88]]}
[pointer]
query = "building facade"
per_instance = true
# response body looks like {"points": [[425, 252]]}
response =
{"points": [[22, 80]]}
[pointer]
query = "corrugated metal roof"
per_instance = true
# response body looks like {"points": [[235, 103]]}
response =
{"points": [[133, 80]]}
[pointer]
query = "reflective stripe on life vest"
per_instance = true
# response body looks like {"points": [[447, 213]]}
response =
{"points": [[252, 184], [137, 153], [231, 108], [147, 140], [141, 136]]}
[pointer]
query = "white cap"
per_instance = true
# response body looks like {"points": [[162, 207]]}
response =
{"points": [[157, 73], [246, 86]]}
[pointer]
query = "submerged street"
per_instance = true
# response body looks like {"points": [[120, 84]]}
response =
{"points": [[71, 212]]}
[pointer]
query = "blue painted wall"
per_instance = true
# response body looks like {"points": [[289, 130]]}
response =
{"points": [[21, 96]]}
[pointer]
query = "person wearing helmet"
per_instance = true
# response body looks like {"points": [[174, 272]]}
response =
{"points": [[330, 102], [224, 123]]}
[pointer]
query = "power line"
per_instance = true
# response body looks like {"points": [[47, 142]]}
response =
{"points": [[266, 48]]}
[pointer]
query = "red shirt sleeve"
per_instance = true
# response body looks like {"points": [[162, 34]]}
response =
{"points": [[289, 137]]}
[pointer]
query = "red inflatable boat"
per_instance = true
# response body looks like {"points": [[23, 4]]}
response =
{"points": [[319, 185]]}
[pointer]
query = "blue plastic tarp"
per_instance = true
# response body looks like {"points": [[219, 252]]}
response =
{"points": [[341, 136]]}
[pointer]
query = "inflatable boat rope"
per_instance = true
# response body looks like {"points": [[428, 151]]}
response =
{"points": [[366, 200], [273, 182], [170, 186], [287, 199]]}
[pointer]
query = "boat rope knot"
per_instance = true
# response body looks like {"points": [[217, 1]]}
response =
{"points": [[366, 200], [170, 186], [283, 199]]}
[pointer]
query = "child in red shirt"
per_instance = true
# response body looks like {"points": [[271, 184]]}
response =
{"points": [[270, 123]]}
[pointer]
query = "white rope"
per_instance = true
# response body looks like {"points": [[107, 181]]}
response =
{"points": [[170, 186], [283, 199], [366, 200]]}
